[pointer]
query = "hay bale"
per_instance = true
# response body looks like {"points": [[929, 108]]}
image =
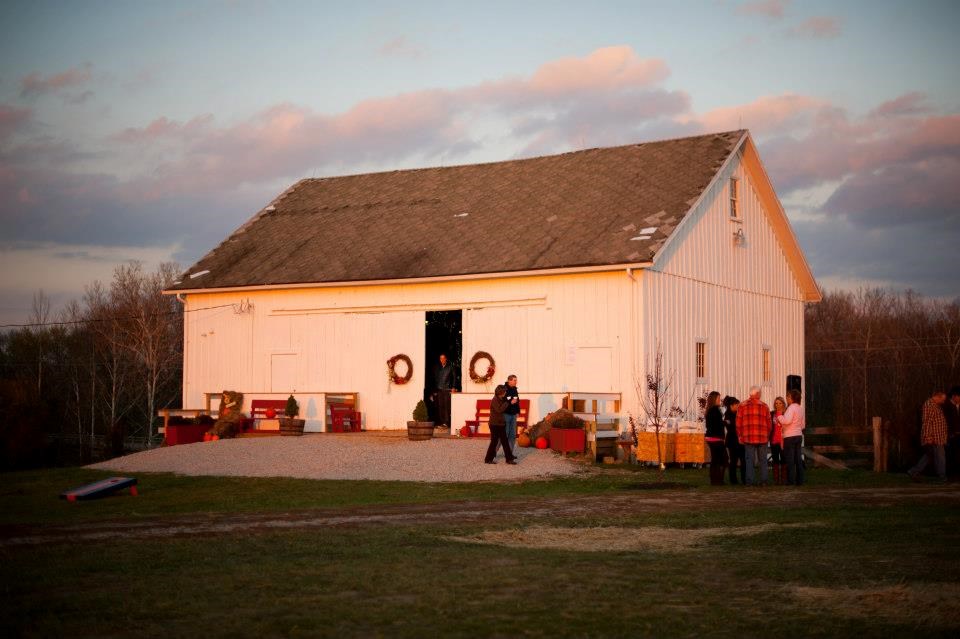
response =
{"points": [[561, 418], [229, 415]]}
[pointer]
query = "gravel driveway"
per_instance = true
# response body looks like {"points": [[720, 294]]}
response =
{"points": [[349, 456]]}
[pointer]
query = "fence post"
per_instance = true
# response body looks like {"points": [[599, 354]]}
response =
{"points": [[878, 457]]}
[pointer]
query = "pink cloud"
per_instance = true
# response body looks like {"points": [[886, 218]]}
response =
{"points": [[906, 104], [836, 147], [609, 68], [818, 27], [768, 8], [904, 194], [164, 128], [766, 114], [600, 98], [35, 84]]}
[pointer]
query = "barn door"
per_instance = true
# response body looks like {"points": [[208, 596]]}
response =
{"points": [[594, 369], [283, 372]]}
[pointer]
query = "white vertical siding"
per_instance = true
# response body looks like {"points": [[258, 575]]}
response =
{"points": [[739, 297], [342, 337]]}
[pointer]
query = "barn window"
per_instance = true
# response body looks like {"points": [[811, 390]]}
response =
{"points": [[766, 365], [701, 364], [734, 198]]}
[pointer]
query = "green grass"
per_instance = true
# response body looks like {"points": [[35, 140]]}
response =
{"points": [[411, 580], [33, 496], [408, 581]]}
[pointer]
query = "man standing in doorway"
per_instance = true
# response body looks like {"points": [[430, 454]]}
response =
{"points": [[444, 382], [753, 427], [933, 437], [513, 410]]}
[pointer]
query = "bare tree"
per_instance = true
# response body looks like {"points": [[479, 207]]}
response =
{"points": [[113, 360], [149, 325], [657, 400], [39, 315]]}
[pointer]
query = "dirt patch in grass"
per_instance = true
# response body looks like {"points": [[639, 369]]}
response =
{"points": [[605, 539], [926, 604]]}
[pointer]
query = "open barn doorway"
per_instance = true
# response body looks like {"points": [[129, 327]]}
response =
{"points": [[444, 336]]}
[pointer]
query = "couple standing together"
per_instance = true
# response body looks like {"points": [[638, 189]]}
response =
{"points": [[504, 408]]}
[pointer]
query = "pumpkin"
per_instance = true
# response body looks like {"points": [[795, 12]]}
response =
{"points": [[466, 432], [542, 443], [271, 414], [523, 440]]}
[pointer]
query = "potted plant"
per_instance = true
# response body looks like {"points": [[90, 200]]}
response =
{"points": [[566, 433], [290, 425], [420, 428]]}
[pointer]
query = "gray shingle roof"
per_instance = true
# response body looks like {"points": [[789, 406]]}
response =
{"points": [[570, 210]]}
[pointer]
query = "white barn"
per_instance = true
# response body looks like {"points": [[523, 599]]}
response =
{"points": [[569, 270]]}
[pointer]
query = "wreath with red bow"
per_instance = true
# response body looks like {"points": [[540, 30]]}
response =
{"points": [[392, 369], [491, 369]]}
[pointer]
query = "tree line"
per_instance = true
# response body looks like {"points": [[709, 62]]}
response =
{"points": [[876, 352], [87, 382]]}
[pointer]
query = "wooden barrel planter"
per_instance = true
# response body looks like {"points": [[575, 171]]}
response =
{"points": [[292, 427], [419, 431]]}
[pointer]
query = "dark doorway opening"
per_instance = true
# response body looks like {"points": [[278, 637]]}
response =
{"points": [[443, 335]]}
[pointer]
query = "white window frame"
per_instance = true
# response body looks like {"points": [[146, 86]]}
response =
{"points": [[734, 187], [700, 364]]}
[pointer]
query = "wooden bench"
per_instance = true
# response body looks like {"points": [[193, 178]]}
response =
{"points": [[258, 412], [480, 426], [343, 419]]}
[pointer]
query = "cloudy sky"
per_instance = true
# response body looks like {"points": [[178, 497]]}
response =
{"points": [[151, 130]]}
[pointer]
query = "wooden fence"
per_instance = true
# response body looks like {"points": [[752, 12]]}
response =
{"points": [[844, 447]]}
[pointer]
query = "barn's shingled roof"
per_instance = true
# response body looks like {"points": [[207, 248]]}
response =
{"points": [[576, 209]]}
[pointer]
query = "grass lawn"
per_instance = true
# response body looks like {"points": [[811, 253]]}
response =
{"points": [[832, 569]]}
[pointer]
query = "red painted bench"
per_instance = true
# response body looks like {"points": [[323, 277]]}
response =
{"points": [[258, 411], [343, 419], [480, 426]]}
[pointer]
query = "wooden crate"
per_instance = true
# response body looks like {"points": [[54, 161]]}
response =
{"points": [[601, 438], [690, 448], [647, 447]]}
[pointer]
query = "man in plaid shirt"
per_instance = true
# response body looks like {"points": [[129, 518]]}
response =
{"points": [[933, 436], [753, 428]]}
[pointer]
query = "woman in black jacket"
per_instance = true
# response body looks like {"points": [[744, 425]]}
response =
{"points": [[498, 427], [734, 447], [714, 439]]}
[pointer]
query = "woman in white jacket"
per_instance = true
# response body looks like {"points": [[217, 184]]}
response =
{"points": [[793, 422]]}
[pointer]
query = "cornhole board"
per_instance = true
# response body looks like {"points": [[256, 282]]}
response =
{"points": [[101, 488]]}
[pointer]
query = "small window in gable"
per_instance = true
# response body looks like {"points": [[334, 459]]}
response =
{"points": [[734, 198]]}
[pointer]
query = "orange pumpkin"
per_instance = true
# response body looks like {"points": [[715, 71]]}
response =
{"points": [[523, 440], [271, 414], [542, 443]]}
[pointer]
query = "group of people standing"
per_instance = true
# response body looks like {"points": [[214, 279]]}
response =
{"points": [[741, 434]]}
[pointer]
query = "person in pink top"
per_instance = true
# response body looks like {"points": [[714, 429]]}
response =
{"points": [[793, 422]]}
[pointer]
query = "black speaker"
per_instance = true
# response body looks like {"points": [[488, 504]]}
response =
{"points": [[793, 382]]}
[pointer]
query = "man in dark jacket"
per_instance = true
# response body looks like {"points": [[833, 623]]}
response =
{"points": [[498, 429], [513, 410], [444, 382]]}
